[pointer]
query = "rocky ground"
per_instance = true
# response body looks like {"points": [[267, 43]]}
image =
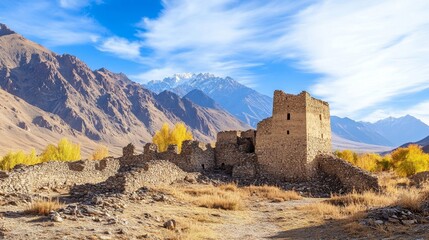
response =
{"points": [[163, 213]]}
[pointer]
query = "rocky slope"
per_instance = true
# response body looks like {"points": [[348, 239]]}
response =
{"points": [[244, 103], [99, 105]]}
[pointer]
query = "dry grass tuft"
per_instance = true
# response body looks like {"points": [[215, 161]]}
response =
{"points": [[392, 184], [230, 187], [223, 197], [322, 210], [352, 205], [366, 199], [271, 193], [44, 206], [414, 199], [223, 201], [192, 230], [228, 196]]}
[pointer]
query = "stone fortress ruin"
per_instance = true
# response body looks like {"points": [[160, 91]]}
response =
{"points": [[293, 145]]}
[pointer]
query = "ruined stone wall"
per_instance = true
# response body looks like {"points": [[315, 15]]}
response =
{"points": [[232, 147], [318, 122], [281, 141], [195, 156], [57, 174], [250, 134], [151, 173], [247, 168], [351, 177]]}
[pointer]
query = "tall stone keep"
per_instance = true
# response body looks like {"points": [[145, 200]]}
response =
{"points": [[288, 142]]}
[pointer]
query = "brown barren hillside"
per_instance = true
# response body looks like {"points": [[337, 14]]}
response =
{"points": [[94, 106]]}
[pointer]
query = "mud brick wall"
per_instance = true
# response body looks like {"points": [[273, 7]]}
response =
{"points": [[57, 174], [351, 177]]}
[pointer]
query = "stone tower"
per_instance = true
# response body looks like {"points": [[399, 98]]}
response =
{"points": [[288, 142]]}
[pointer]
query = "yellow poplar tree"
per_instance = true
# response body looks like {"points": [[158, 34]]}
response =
{"points": [[14, 158], [177, 135], [162, 138], [180, 134], [65, 151], [410, 160], [100, 153], [347, 155]]}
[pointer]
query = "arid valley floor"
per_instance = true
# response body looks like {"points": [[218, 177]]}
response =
{"points": [[204, 208]]}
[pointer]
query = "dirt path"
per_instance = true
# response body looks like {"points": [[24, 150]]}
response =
{"points": [[265, 220]]}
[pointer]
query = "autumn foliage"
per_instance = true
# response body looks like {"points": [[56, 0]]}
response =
{"points": [[100, 153], [166, 136], [410, 160], [404, 161], [63, 151]]}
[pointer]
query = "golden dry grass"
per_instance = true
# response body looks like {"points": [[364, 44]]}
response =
{"points": [[229, 196], [44, 206], [392, 184], [397, 192], [414, 199], [208, 196], [223, 201], [365, 199], [271, 193], [190, 230]]}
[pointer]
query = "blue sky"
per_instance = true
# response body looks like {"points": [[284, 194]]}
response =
{"points": [[368, 58]]}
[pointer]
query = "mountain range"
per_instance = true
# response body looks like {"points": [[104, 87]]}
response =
{"points": [[59, 95], [391, 131], [243, 102], [45, 96]]}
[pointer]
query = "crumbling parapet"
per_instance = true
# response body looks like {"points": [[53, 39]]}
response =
{"points": [[195, 156], [128, 151], [249, 134], [150, 151], [228, 137]]}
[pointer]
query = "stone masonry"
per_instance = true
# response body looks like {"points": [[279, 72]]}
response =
{"points": [[288, 142], [25, 179], [351, 177]]}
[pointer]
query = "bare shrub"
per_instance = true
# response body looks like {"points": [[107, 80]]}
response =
{"points": [[43, 206]]}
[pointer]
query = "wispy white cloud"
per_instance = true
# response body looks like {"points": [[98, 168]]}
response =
{"points": [[369, 52], [224, 37], [156, 73], [121, 47], [419, 111], [76, 4], [49, 22]]}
